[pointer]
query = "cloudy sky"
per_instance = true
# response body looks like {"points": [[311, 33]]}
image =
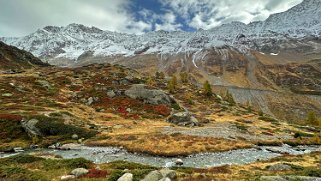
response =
{"points": [[21, 17]]}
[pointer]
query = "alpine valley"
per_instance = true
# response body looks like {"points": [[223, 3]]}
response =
{"points": [[235, 102]]}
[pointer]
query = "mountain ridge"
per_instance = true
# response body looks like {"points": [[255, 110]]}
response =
{"points": [[72, 41]]}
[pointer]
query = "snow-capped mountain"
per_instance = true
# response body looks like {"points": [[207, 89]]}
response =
{"points": [[72, 41]]}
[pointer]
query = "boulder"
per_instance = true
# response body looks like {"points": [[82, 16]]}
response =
{"points": [[79, 172], [171, 174], [30, 127], [126, 177], [90, 100], [279, 167], [183, 119], [179, 162], [67, 177], [153, 176], [74, 136], [151, 96], [111, 94]]}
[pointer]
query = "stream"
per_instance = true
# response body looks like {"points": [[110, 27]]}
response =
{"points": [[203, 160]]}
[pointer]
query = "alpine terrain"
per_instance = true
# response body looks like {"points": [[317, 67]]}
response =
{"points": [[235, 102]]}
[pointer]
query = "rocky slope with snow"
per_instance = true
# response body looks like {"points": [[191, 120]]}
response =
{"points": [[75, 40]]}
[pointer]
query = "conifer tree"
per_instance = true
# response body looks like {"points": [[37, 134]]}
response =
{"points": [[184, 77], [207, 89], [172, 84]]}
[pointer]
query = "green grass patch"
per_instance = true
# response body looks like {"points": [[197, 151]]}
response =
{"points": [[14, 173], [53, 126], [20, 159], [66, 163]]}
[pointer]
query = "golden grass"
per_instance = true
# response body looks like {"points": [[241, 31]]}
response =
{"points": [[169, 145]]}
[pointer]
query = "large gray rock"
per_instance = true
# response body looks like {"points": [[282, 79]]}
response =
{"points": [[153, 176], [279, 167], [126, 177], [79, 172], [183, 119], [286, 178], [168, 173], [30, 127], [151, 96]]}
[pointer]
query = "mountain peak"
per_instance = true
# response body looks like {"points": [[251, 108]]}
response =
{"points": [[79, 27], [52, 29]]}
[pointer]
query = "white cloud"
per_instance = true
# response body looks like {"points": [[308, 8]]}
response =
{"points": [[168, 23], [21, 17], [207, 14], [29, 15]]}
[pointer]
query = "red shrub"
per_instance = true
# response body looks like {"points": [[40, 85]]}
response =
{"points": [[162, 110], [135, 116], [94, 173], [10, 117], [122, 111]]}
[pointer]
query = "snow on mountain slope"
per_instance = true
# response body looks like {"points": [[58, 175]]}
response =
{"points": [[74, 40]]}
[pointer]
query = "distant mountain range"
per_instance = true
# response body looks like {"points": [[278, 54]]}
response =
{"points": [[75, 40]]}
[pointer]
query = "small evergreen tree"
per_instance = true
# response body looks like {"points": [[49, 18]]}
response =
{"points": [[184, 77], [207, 89], [172, 84]]}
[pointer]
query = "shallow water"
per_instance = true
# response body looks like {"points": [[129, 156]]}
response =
{"points": [[241, 156]]}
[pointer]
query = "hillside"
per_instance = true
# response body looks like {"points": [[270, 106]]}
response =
{"points": [[14, 59], [273, 64]]}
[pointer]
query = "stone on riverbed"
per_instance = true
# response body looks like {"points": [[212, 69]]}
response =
{"points": [[126, 177], [179, 162]]}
